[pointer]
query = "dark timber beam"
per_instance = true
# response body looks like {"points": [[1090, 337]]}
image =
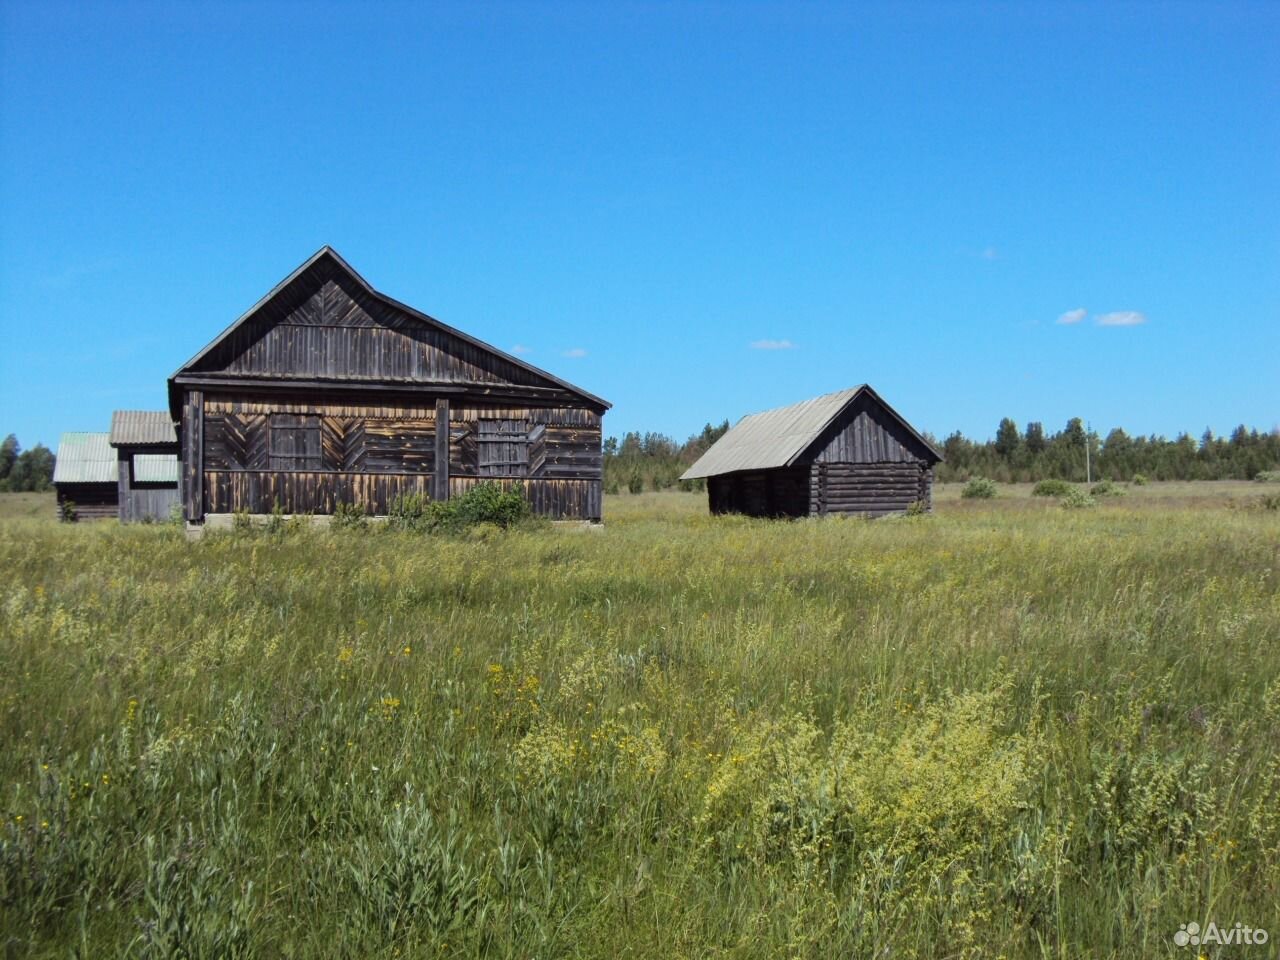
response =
{"points": [[442, 450], [193, 455]]}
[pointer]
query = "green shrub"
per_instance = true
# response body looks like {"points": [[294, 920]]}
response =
{"points": [[1271, 501], [241, 522], [488, 503], [1139, 480], [979, 488], [1267, 476], [408, 511], [1052, 488], [917, 508], [350, 516], [611, 486], [67, 511], [1105, 488], [1078, 499], [635, 483]]}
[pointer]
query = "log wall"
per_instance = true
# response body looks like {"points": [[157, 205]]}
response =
{"points": [[873, 489], [93, 501]]}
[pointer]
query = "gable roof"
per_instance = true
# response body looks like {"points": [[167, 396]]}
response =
{"points": [[142, 428], [85, 458], [328, 253], [777, 438]]}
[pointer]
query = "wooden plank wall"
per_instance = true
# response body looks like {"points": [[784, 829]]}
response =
{"points": [[93, 501], [141, 502], [325, 325], [372, 452], [874, 489], [554, 499], [867, 433]]}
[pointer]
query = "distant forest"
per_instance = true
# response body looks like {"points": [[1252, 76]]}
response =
{"points": [[24, 469], [654, 461]]}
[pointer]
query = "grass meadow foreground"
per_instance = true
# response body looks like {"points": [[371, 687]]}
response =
{"points": [[1009, 729]]}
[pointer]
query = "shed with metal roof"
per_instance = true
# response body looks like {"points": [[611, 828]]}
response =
{"points": [[84, 476], [844, 452], [146, 469]]}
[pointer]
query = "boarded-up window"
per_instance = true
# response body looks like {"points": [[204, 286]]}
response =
{"points": [[294, 443], [502, 448]]}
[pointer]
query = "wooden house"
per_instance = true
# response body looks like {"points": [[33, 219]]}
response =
{"points": [[146, 453], [846, 452], [84, 477], [327, 391]]}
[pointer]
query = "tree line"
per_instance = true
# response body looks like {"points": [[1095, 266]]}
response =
{"points": [[654, 461], [25, 469]]}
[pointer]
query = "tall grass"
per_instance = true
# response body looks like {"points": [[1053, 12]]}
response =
{"points": [[1032, 734]]}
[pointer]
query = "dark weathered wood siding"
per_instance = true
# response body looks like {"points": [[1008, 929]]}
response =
{"points": [[93, 501], [783, 492], [324, 325], [140, 502], [370, 453], [330, 393], [866, 433], [872, 489]]}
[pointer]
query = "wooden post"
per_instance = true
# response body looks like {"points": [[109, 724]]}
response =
{"points": [[193, 454], [441, 485], [123, 499]]}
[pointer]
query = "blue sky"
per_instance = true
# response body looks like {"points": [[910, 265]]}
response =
{"points": [[693, 210]]}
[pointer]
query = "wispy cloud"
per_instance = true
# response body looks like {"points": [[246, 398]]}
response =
{"points": [[1122, 318], [1073, 316], [575, 352], [520, 350], [772, 345]]}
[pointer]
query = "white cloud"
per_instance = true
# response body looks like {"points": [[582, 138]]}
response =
{"points": [[1122, 318], [1073, 316], [772, 345], [575, 352], [520, 350]]}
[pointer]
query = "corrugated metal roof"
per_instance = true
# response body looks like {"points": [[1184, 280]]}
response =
{"points": [[142, 427], [85, 458], [762, 441], [155, 468]]}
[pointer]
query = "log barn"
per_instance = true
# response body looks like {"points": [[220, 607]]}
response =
{"points": [[327, 391], [846, 452], [84, 477]]}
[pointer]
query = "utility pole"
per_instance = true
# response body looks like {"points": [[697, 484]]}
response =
{"points": [[1088, 442]]}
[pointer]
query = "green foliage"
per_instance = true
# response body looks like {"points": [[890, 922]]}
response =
{"points": [[1267, 476], [25, 470], [918, 508], [1139, 480], [635, 482], [1003, 732], [350, 516], [67, 512], [408, 511], [486, 502], [1271, 501], [1052, 487], [1105, 488], [979, 488], [1077, 499]]}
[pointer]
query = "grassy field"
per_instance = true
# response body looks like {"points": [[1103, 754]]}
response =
{"points": [[1008, 729]]}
